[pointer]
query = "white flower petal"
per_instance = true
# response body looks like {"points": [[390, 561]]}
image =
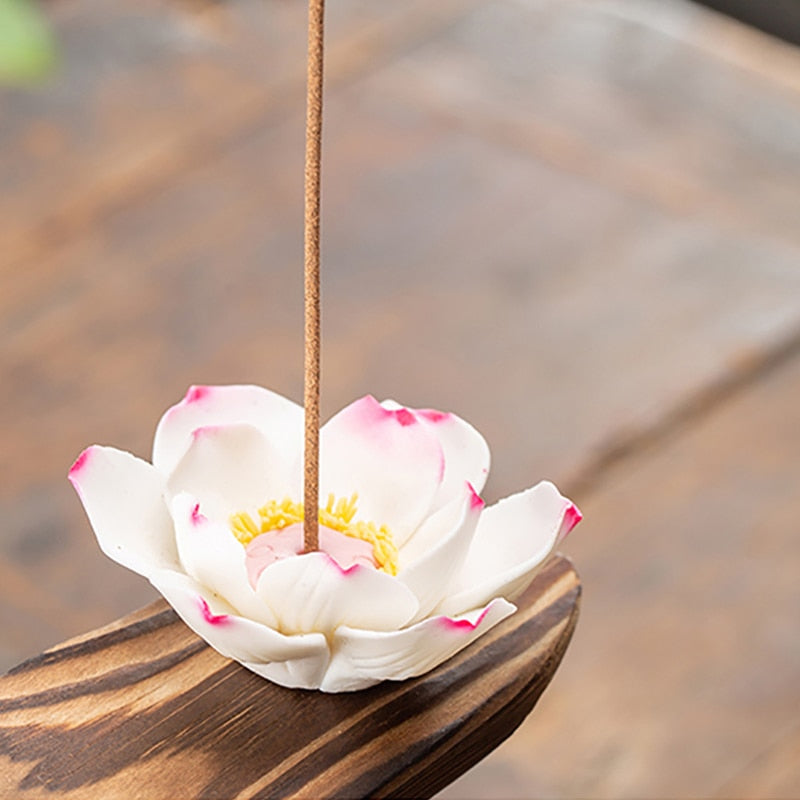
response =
{"points": [[233, 468], [213, 556], [513, 539], [363, 658], [436, 552], [466, 454], [124, 500], [393, 461], [299, 659], [278, 418], [312, 592]]}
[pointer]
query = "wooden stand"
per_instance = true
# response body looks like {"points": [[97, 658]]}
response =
{"points": [[144, 708]]}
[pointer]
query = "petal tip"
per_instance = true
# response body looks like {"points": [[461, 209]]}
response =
{"points": [[346, 572], [462, 625], [196, 393], [476, 502], [367, 410], [80, 463], [404, 417], [434, 416], [208, 616], [572, 516]]}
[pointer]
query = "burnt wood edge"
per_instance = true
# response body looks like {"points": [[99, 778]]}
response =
{"points": [[431, 774], [428, 768]]}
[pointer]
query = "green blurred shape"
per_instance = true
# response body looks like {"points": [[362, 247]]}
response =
{"points": [[26, 45]]}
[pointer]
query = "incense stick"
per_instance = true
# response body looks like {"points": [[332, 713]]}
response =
{"points": [[316, 13]]}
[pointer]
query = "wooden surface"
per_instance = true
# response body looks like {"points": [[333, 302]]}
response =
{"points": [[144, 708], [575, 223]]}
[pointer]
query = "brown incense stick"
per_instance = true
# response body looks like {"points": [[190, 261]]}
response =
{"points": [[316, 14]]}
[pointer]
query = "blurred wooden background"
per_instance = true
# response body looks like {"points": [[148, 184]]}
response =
{"points": [[573, 222]]}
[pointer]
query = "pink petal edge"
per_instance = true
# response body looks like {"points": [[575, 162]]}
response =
{"points": [[475, 501], [211, 619], [404, 417], [257, 563], [572, 516], [197, 517], [434, 416], [367, 410], [348, 572], [463, 625], [80, 462], [196, 393]]}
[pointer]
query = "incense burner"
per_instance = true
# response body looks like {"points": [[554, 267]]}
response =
{"points": [[411, 568]]}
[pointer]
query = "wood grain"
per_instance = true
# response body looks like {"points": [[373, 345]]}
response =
{"points": [[144, 706]]}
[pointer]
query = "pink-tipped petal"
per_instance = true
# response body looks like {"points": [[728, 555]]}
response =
{"points": [[212, 555], [391, 459], [572, 516], [436, 417], [123, 498], [81, 462], [512, 540], [197, 517], [466, 454], [288, 542], [313, 593], [197, 393], [463, 624], [436, 552], [278, 418], [233, 468], [294, 661], [208, 617], [362, 658]]}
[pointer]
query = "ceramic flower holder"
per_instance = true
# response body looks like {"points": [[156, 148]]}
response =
{"points": [[411, 566]]}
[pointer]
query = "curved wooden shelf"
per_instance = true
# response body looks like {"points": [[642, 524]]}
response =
{"points": [[143, 708]]}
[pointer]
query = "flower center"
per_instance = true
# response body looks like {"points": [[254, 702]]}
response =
{"points": [[338, 515]]}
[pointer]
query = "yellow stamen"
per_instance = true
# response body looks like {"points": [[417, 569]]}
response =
{"points": [[243, 527], [337, 515]]}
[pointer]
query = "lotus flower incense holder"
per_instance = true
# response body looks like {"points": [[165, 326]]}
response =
{"points": [[411, 567]]}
